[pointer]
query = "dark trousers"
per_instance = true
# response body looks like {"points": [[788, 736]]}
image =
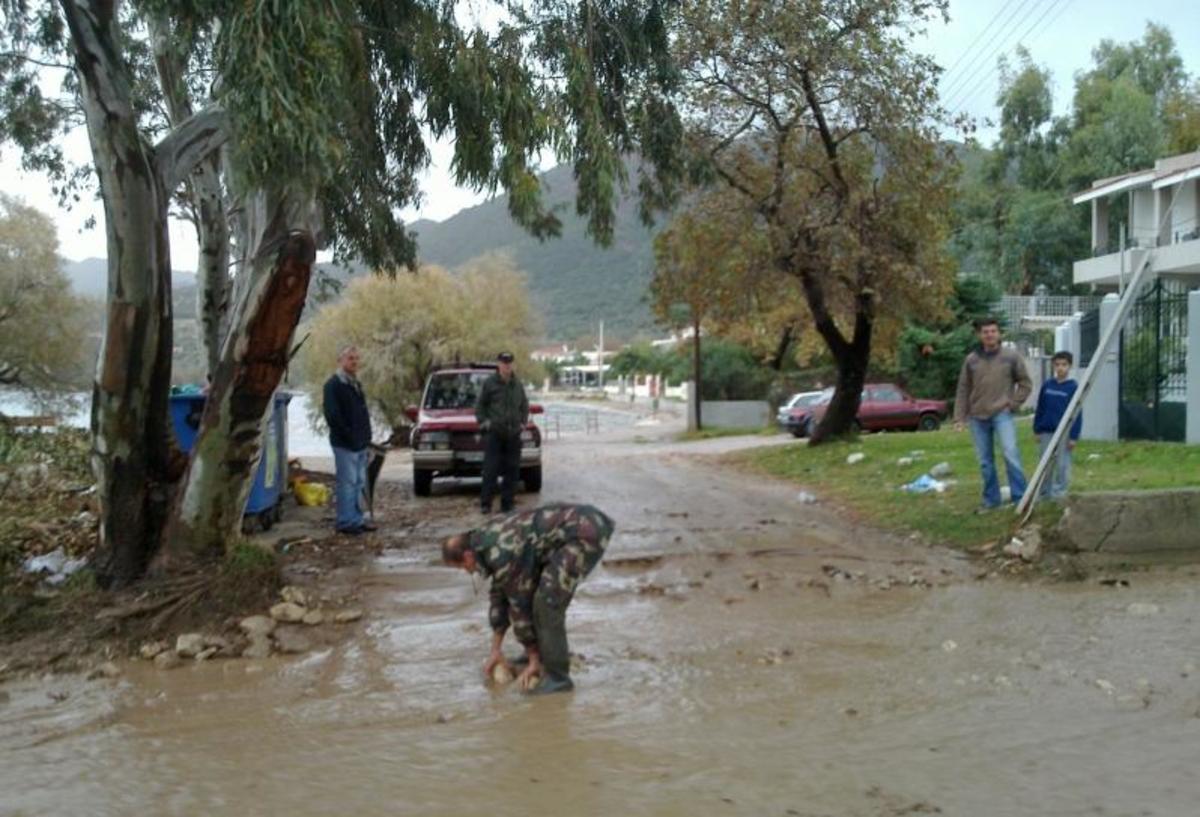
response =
{"points": [[501, 458]]}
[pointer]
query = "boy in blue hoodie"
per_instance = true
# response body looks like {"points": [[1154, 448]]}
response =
{"points": [[1051, 406]]}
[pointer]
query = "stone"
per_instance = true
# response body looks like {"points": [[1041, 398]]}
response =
{"points": [[207, 653], [289, 640], [189, 645], [1142, 609], [806, 498], [949, 646], [942, 469], [904, 461], [153, 648], [295, 595], [167, 660], [106, 670], [217, 642], [257, 626], [259, 647], [313, 618], [288, 611], [1105, 686], [1188, 669], [855, 458], [347, 616], [501, 674]]}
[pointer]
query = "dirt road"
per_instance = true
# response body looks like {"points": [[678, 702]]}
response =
{"points": [[741, 651]]}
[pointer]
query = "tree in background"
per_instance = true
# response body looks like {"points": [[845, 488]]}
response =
{"points": [[43, 326], [819, 120], [930, 353], [406, 325], [703, 262]]}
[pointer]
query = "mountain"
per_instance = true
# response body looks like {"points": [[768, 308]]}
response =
{"points": [[90, 277], [573, 281]]}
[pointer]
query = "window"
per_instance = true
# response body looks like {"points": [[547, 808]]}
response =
{"points": [[454, 390], [887, 394]]}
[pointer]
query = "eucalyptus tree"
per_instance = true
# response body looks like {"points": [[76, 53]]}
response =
{"points": [[319, 113], [821, 120]]}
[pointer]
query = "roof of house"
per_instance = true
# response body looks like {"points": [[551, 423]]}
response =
{"points": [[1166, 172]]}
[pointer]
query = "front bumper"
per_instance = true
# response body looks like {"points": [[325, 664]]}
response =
{"points": [[465, 463]]}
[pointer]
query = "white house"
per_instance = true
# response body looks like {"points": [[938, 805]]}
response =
{"points": [[1148, 384]]}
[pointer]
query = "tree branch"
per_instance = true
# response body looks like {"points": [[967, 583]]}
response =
{"points": [[187, 145]]}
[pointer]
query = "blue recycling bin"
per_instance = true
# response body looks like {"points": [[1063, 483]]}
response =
{"points": [[266, 494]]}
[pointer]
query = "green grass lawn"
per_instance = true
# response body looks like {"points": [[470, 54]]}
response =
{"points": [[872, 487], [714, 433]]}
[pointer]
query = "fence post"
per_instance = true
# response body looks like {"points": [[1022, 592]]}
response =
{"points": [[1062, 338], [1193, 368], [1101, 408]]}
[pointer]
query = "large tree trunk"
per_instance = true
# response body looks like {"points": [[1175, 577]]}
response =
{"points": [[851, 357], [229, 444], [206, 199], [132, 451]]}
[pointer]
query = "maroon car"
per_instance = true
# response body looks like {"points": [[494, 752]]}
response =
{"points": [[446, 440], [887, 407]]}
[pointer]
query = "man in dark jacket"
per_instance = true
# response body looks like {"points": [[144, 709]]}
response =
{"points": [[502, 411], [349, 434]]}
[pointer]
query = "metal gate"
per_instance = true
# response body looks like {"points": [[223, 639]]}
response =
{"points": [[1089, 337], [1153, 364]]}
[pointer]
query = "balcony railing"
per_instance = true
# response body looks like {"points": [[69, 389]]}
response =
{"points": [[1020, 308]]}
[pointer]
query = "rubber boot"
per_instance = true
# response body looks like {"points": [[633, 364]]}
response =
{"points": [[551, 624]]}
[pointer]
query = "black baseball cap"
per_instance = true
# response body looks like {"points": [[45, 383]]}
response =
{"points": [[505, 357]]}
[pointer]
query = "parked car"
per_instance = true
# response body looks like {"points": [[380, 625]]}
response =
{"points": [[446, 440], [887, 407], [793, 415]]}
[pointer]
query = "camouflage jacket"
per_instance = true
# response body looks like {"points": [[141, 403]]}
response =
{"points": [[514, 549]]}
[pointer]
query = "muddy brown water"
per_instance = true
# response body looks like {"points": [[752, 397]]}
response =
{"points": [[734, 661]]}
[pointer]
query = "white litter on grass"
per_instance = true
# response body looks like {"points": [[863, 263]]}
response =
{"points": [[925, 484], [55, 563], [855, 458], [805, 498]]}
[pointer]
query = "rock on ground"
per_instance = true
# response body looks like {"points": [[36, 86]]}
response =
{"points": [[291, 640], [288, 611], [257, 626], [189, 645], [167, 660], [259, 647]]}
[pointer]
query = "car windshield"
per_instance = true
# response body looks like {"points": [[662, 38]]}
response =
{"points": [[454, 390], [809, 399]]}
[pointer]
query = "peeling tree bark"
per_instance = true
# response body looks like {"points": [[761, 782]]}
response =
{"points": [[133, 457]]}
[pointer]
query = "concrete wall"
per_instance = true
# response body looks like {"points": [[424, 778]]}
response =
{"points": [[734, 413], [1131, 522]]}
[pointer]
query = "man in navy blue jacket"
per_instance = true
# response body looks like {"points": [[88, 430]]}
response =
{"points": [[1052, 404], [349, 424]]}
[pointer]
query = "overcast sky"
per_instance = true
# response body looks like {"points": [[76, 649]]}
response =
{"points": [[1059, 33]]}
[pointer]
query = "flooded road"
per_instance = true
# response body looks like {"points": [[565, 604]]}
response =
{"points": [[739, 651]]}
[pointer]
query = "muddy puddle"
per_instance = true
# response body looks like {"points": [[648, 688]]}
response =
{"points": [[735, 658]]}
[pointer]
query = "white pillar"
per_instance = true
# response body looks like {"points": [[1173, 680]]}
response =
{"points": [[1075, 334], [1101, 405], [1100, 224], [1062, 337], [1193, 368]]}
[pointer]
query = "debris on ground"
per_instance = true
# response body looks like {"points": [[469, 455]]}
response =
{"points": [[855, 458], [941, 470], [925, 484]]}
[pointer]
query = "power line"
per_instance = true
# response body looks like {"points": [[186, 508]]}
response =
{"points": [[1062, 7], [970, 48], [1003, 31], [989, 65]]}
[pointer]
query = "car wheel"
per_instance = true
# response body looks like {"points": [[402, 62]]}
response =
{"points": [[929, 422], [799, 431], [856, 427], [532, 477], [422, 482]]}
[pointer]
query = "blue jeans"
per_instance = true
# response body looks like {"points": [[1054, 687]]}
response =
{"points": [[1055, 485], [983, 433], [351, 470]]}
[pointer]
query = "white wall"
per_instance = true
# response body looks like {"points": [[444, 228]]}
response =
{"points": [[1142, 228], [1184, 218]]}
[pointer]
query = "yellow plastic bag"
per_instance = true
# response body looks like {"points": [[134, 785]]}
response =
{"points": [[311, 493]]}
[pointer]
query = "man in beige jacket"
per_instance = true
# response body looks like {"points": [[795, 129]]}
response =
{"points": [[992, 385]]}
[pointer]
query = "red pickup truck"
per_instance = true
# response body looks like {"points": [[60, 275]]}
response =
{"points": [[886, 406], [446, 441]]}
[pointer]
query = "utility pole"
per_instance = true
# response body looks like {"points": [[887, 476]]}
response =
{"points": [[600, 357]]}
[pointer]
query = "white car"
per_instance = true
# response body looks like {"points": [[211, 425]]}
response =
{"points": [[791, 417]]}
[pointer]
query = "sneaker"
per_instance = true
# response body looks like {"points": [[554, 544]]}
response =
{"points": [[369, 527], [987, 509], [353, 530]]}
